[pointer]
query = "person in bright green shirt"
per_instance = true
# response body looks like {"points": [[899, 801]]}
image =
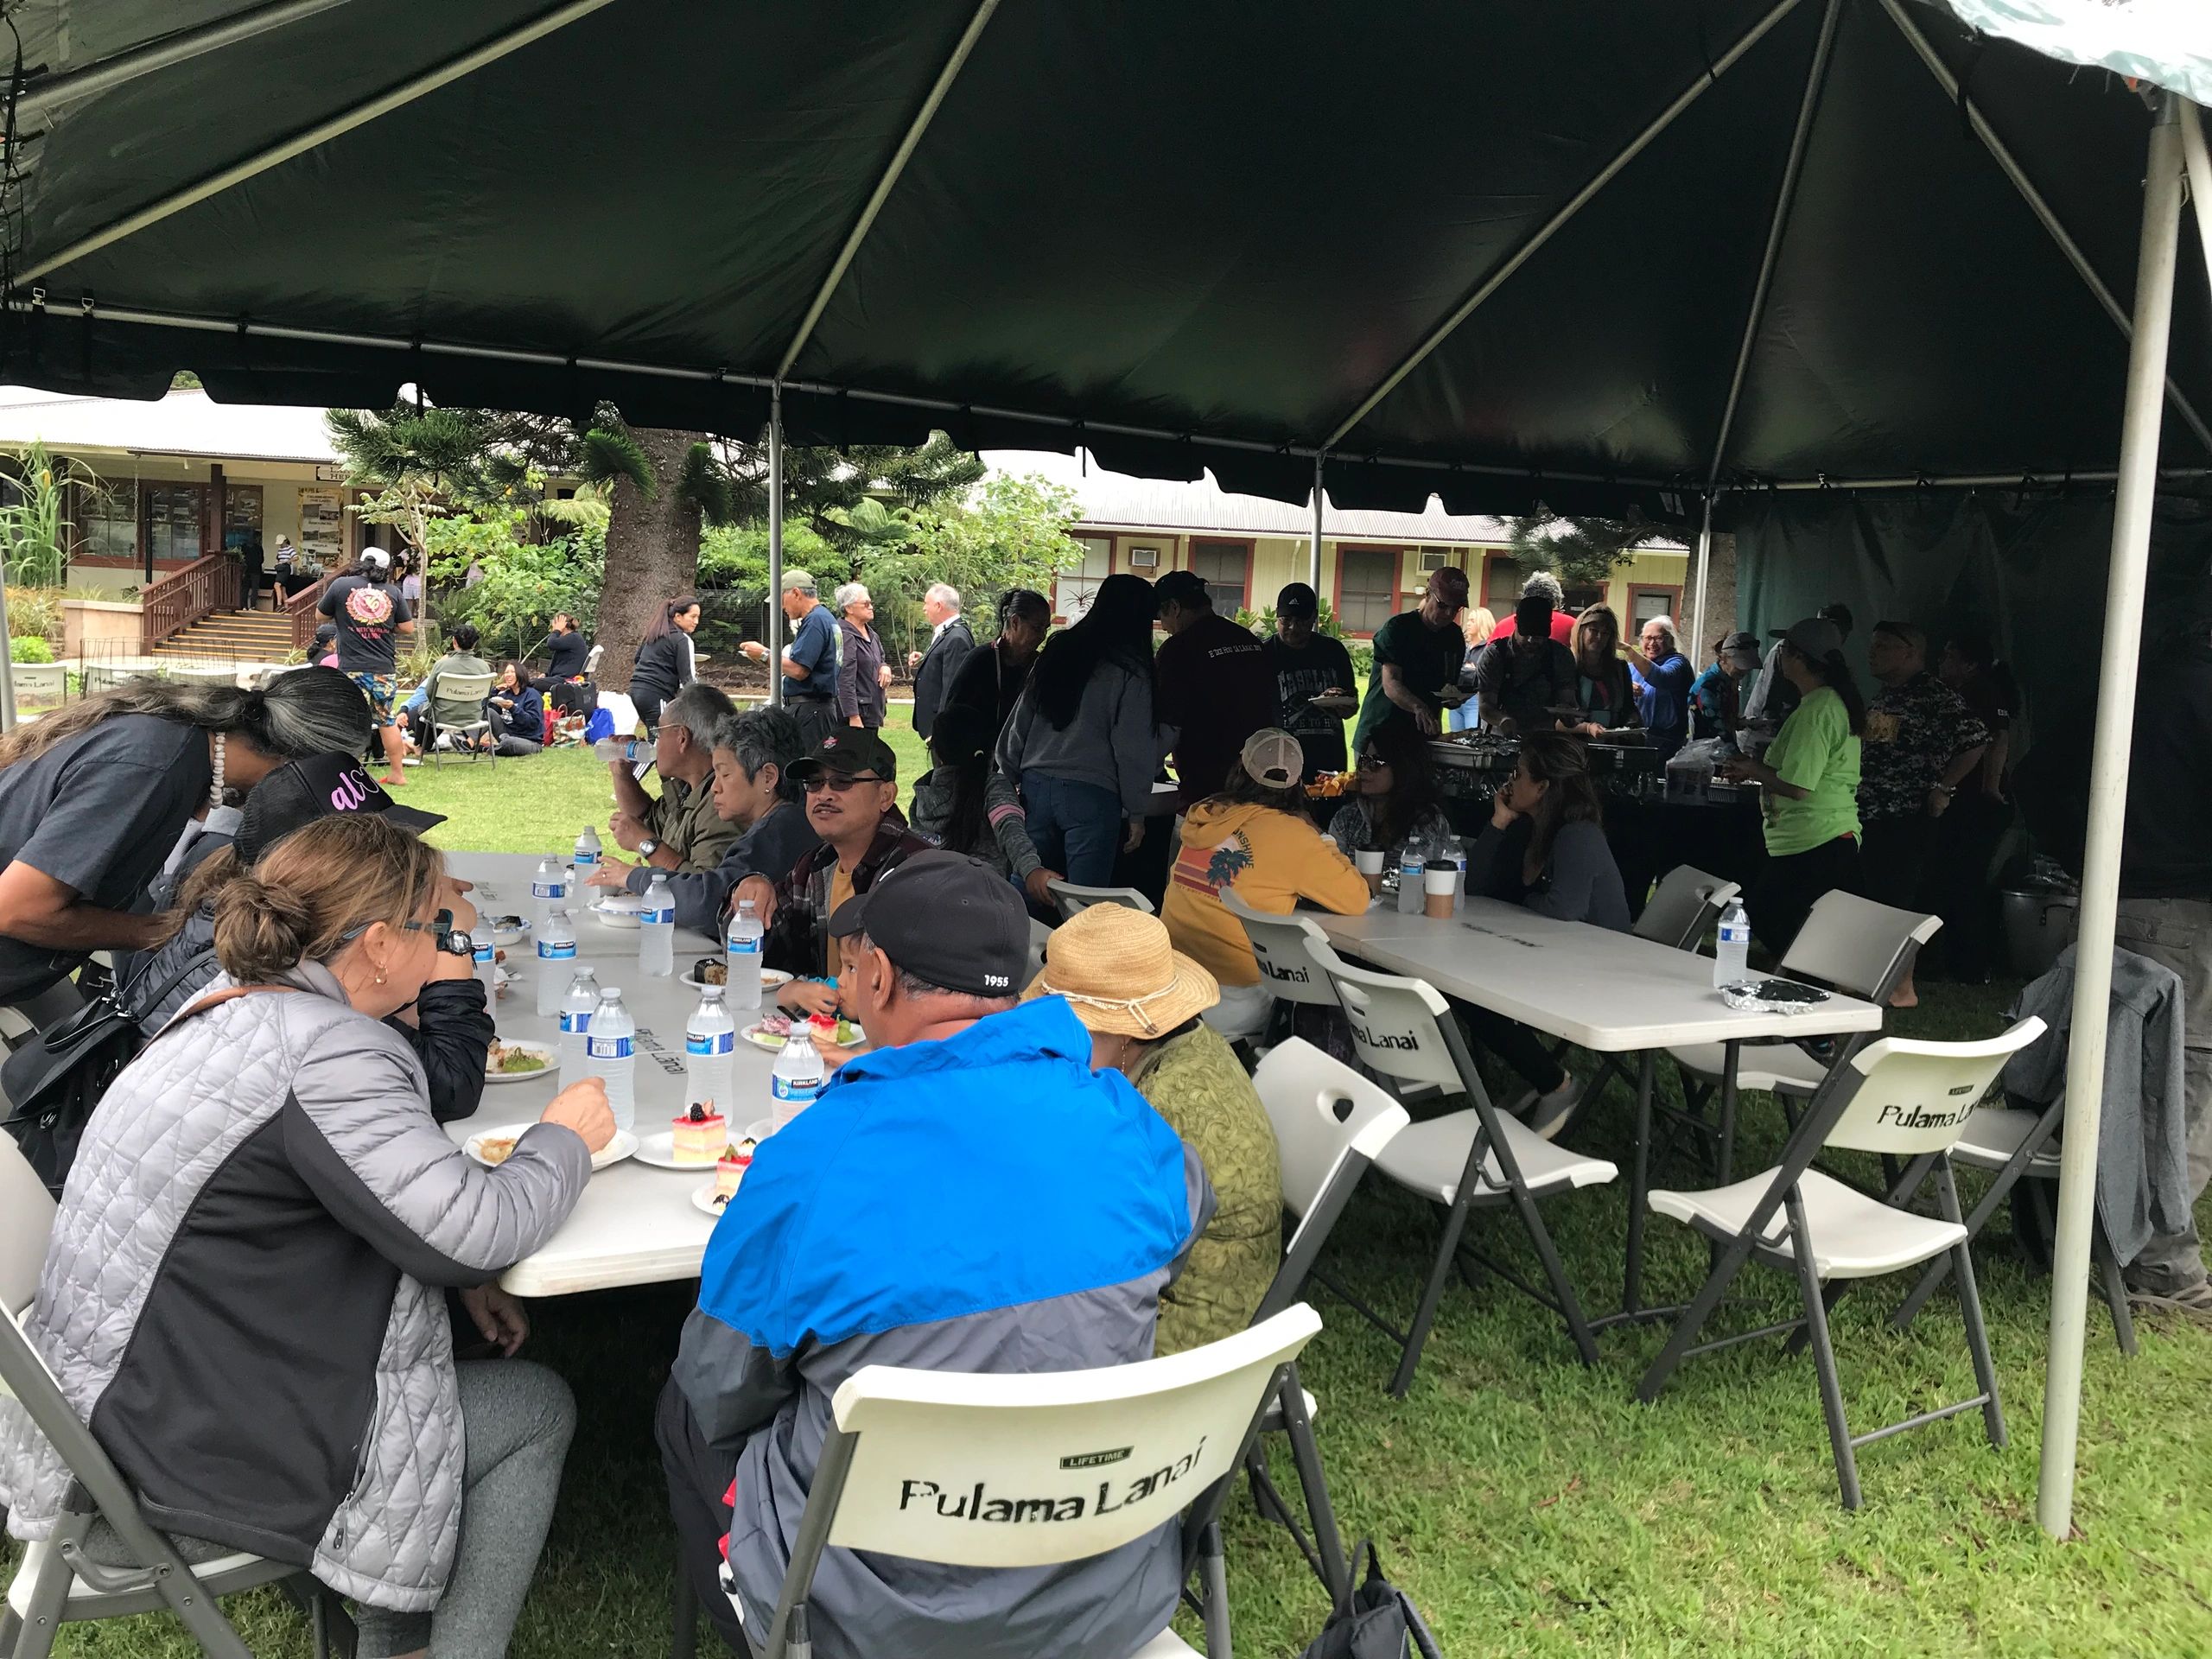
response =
{"points": [[1810, 777]]}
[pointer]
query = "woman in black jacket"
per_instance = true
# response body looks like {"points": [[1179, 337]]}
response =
{"points": [[450, 1026], [518, 712], [990, 680], [664, 665]]}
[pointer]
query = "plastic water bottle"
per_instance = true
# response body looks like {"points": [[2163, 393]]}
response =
{"points": [[1732, 955], [576, 1009], [745, 937], [657, 930], [1459, 856], [710, 1054], [550, 887], [610, 1048], [488, 963], [799, 1074], [587, 856], [556, 959], [1413, 869], [622, 748]]}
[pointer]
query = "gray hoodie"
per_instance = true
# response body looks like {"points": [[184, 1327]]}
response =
{"points": [[1111, 743]]}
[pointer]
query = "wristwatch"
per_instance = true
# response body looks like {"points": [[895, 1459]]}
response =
{"points": [[648, 847]]}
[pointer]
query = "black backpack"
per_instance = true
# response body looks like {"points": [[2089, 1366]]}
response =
{"points": [[1377, 1620], [58, 1076]]}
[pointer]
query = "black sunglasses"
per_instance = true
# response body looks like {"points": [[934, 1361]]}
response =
{"points": [[448, 937], [823, 780]]}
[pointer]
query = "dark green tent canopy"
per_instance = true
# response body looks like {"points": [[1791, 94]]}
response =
{"points": [[1183, 236]]}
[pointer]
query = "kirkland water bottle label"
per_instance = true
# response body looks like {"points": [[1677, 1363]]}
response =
{"points": [[585, 860], [486, 955], [609, 1048], [666, 914], [720, 1043], [745, 947], [548, 889], [785, 1089], [549, 951], [574, 1025]]}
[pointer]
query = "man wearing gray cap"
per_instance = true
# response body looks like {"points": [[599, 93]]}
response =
{"points": [[809, 663]]}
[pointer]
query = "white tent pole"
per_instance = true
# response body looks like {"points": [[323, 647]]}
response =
{"points": [[7, 667], [1314, 557], [2085, 1058], [1704, 564], [2200, 172], [776, 545], [2037, 205], [322, 132], [1575, 204], [42, 98]]}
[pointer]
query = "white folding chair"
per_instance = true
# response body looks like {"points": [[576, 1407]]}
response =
{"points": [[592, 660], [1466, 1160], [474, 690], [1682, 906], [1331, 1124], [1164, 1437], [1849, 944], [104, 1560], [1073, 899], [1896, 1097]]}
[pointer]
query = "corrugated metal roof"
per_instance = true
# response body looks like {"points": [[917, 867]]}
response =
{"points": [[182, 423], [1118, 501]]}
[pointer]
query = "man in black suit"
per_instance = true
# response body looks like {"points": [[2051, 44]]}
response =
{"points": [[950, 644]]}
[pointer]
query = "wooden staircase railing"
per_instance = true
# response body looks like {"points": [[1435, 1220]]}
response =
{"points": [[182, 598], [301, 608]]}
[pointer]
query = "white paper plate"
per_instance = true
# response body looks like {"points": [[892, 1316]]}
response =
{"points": [[774, 1044], [545, 1050], [624, 1144], [658, 1149], [770, 979], [702, 1198]]}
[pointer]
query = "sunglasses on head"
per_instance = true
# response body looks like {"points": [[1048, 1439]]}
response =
{"points": [[838, 786]]}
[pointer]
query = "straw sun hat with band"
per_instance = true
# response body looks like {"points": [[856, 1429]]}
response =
{"points": [[1121, 977]]}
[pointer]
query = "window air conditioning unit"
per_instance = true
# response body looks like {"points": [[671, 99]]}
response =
{"points": [[1144, 558], [1434, 558]]}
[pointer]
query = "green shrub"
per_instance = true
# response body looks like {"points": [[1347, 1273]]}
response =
{"points": [[30, 648], [36, 610]]}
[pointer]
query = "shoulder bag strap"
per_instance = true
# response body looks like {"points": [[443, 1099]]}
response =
{"points": [[215, 999]]}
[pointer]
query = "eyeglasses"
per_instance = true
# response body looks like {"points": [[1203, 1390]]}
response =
{"points": [[448, 937], [838, 786]]}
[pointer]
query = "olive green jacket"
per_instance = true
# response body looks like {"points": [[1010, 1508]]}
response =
{"points": [[683, 820], [1195, 1081]]}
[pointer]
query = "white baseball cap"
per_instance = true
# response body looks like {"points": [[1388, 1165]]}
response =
{"points": [[1273, 757]]}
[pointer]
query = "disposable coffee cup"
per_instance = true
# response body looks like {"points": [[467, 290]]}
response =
{"points": [[1368, 860], [1438, 883]]}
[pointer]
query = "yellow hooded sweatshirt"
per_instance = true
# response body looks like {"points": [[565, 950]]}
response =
{"points": [[1270, 860]]}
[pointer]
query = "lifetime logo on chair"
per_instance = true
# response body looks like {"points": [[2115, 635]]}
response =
{"points": [[976, 1505]]}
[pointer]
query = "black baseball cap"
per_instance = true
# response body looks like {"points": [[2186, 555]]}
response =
{"points": [[1299, 599], [1179, 588], [847, 753], [947, 918], [317, 786]]}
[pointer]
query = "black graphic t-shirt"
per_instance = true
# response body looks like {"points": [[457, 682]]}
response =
{"points": [[368, 615]]}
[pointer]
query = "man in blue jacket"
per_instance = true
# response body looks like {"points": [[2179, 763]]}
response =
{"points": [[966, 1196]]}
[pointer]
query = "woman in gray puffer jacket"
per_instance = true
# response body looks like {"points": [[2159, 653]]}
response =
{"points": [[244, 1294]]}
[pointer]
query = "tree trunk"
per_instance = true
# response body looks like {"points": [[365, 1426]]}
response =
{"points": [[653, 552]]}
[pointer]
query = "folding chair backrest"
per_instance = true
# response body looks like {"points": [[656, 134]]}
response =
{"points": [[988, 1471], [592, 660], [25, 1222], [1399, 1025], [1283, 946], [1329, 1124], [1073, 899], [1909, 1097], [1683, 907], [471, 688], [1856, 946]]}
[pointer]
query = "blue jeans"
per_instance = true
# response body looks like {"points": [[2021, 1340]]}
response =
{"points": [[1076, 827]]}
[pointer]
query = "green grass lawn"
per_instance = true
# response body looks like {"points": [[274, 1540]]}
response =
{"points": [[1530, 1505]]}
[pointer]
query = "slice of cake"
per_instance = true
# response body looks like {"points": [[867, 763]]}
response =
{"points": [[698, 1136], [729, 1172]]}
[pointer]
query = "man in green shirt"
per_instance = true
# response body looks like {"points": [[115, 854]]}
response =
{"points": [[679, 829], [1418, 653]]}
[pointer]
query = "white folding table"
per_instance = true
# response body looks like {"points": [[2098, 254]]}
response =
{"points": [[1611, 993], [635, 1224]]}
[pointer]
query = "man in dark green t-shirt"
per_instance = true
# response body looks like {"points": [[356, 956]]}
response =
{"points": [[1417, 654]]}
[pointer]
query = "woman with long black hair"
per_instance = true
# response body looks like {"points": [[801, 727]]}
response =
{"points": [[1809, 779], [990, 681], [664, 663], [1081, 746], [1395, 795]]}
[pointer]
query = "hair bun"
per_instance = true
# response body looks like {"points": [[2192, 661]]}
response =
{"points": [[262, 929]]}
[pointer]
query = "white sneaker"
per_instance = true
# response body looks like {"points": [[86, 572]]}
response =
{"points": [[1552, 1113]]}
